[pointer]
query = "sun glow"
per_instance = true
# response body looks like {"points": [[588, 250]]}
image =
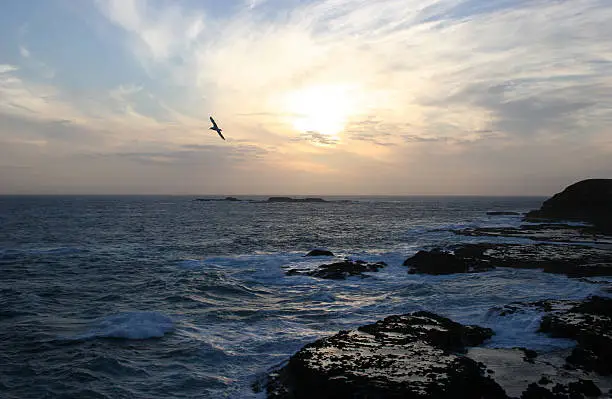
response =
{"points": [[322, 109]]}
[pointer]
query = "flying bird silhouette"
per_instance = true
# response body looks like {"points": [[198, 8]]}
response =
{"points": [[216, 128]]}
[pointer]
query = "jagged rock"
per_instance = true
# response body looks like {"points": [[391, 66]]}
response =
{"points": [[588, 200], [544, 381], [411, 356], [340, 270], [572, 260], [319, 252], [590, 324], [439, 262]]}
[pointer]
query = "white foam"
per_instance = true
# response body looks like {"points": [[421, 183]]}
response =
{"points": [[131, 325]]}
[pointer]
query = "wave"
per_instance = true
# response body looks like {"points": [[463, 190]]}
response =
{"points": [[11, 254], [131, 325]]}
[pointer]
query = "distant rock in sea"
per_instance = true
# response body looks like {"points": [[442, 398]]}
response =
{"points": [[232, 199], [289, 199], [588, 200]]}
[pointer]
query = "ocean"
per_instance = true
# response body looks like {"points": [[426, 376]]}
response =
{"points": [[167, 297]]}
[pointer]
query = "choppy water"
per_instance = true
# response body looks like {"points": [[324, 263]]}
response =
{"points": [[165, 297]]}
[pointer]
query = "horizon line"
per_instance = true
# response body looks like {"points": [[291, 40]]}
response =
{"points": [[266, 195]]}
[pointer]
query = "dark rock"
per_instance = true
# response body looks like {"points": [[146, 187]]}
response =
{"points": [[588, 200], [233, 199], [340, 270], [503, 213], [320, 252], [289, 199], [410, 356], [572, 260], [534, 391], [555, 232], [435, 262], [544, 381], [529, 354], [590, 324], [464, 260], [559, 389], [586, 387]]}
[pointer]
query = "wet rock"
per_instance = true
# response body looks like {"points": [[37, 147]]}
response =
{"points": [[578, 389], [590, 324], [544, 381], [534, 391], [319, 252], [541, 232], [340, 270], [588, 200], [411, 356], [572, 260], [438, 262], [530, 354], [586, 387]]}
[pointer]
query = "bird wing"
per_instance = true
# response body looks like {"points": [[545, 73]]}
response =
{"points": [[218, 131], [214, 123]]}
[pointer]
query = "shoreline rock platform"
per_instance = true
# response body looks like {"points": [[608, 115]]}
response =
{"points": [[424, 355]]}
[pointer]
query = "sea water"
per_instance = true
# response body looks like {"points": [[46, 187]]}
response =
{"points": [[167, 297]]}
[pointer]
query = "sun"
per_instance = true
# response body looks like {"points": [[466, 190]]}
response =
{"points": [[324, 109]]}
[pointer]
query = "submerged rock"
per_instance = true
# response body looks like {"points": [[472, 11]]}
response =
{"points": [[319, 252], [340, 270], [588, 200], [416, 355]]}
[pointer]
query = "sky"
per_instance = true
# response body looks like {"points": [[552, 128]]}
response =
{"points": [[315, 97]]}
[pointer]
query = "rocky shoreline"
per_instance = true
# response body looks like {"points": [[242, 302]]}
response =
{"points": [[424, 355]]}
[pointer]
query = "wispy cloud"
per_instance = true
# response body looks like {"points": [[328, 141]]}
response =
{"points": [[489, 80]]}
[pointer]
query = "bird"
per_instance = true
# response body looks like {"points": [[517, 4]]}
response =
{"points": [[216, 128]]}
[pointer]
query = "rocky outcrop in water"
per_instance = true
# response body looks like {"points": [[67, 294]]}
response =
{"points": [[320, 252], [571, 260], [340, 270], [230, 199], [588, 200], [417, 355], [590, 324], [289, 199], [424, 355], [438, 262], [556, 232]]}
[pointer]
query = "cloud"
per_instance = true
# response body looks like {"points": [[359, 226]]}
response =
{"points": [[477, 79], [450, 56], [317, 138], [25, 53]]}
